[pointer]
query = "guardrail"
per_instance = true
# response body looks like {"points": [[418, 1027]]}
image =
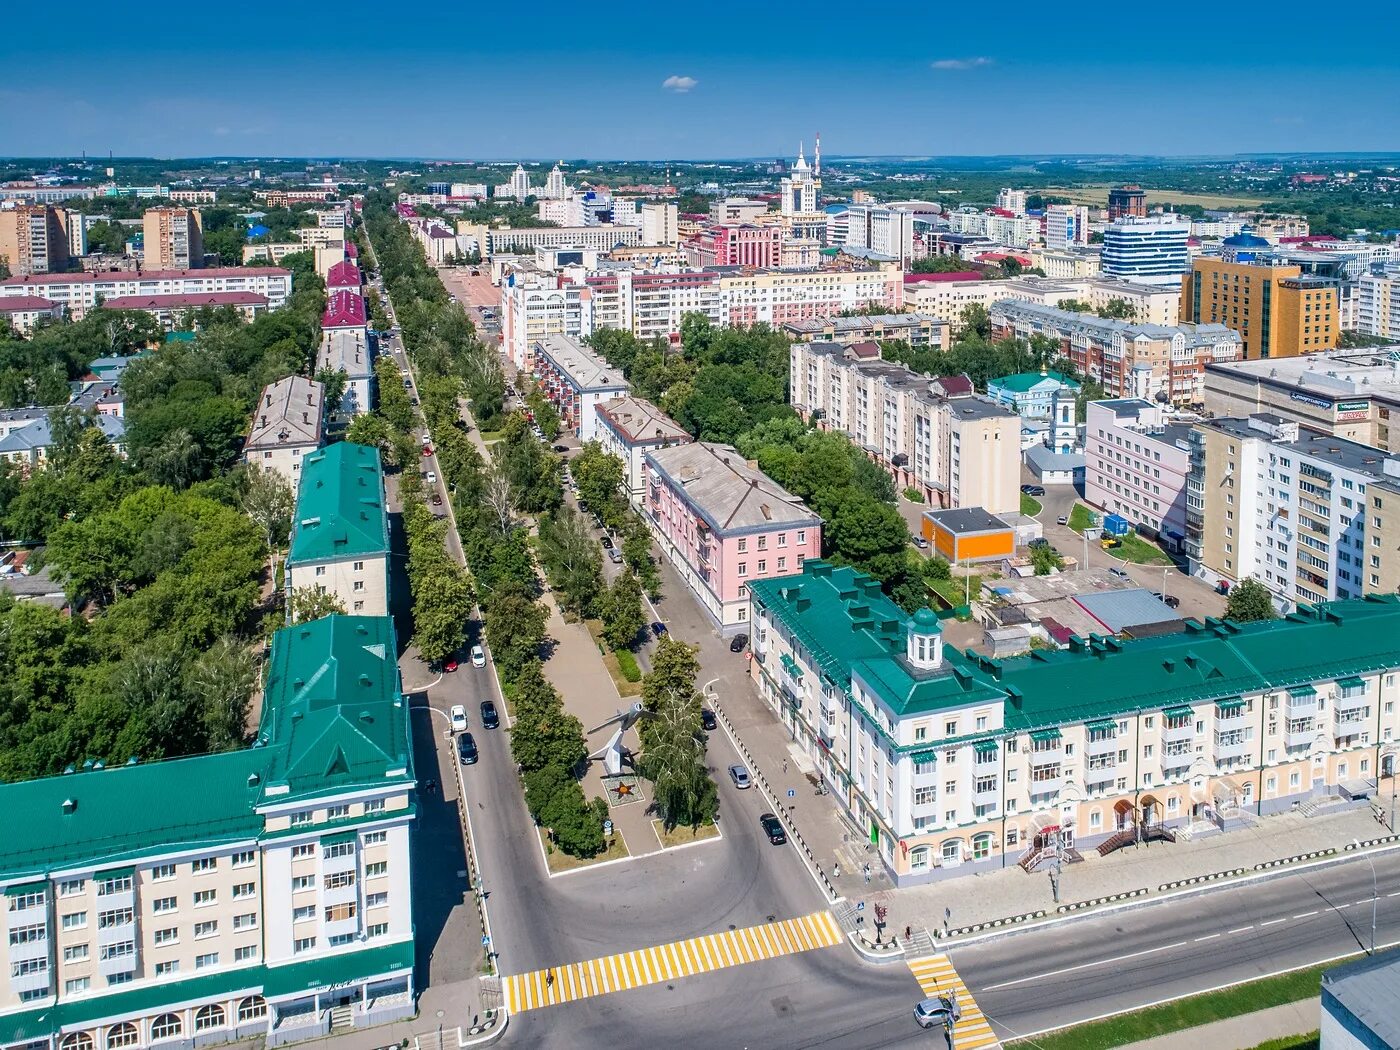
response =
{"points": [[782, 812], [1366, 843], [991, 924], [1112, 898], [1266, 865], [1196, 880]]}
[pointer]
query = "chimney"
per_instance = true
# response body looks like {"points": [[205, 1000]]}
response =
{"points": [[306, 417], [262, 421]]}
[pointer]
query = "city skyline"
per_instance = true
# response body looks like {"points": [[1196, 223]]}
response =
{"points": [[948, 87]]}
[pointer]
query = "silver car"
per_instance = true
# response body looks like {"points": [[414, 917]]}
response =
{"points": [[941, 1011], [740, 776]]}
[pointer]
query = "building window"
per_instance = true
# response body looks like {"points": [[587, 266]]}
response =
{"points": [[245, 953], [247, 921], [242, 860], [306, 849], [743, 568], [205, 865], [374, 805], [340, 912], [375, 838], [376, 900], [205, 962], [244, 889], [206, 929], [71, 888], [303, 913], [211, 1016], [75, 920], [167, 1026], [301, 817], [124, 1034], [379, 929], [377, 868], [170, 935], [204, 898], [76, 985], [339, 849], [75, 953], [252, 1008], [340, 879]]}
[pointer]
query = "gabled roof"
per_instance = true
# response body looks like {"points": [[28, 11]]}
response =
{"points": [[725, 491], [1024, 382], [39, 434], [289, 412], [340, 506], [183, 301], [16, 304], [639, 422], [344, 274], [344, 310]]}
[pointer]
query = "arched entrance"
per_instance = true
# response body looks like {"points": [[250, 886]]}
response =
{"points": [[1151, 808], [1122, 814]]}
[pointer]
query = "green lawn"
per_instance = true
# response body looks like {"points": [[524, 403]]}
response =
{"points": [[1030, 506], [1190, 1012], [956, 591], [1139, 551], [1080, 518]]}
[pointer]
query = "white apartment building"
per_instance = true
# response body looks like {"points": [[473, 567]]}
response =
{"points": [[536, 305], [1135, 464], [1146, 250], [933, 435], [576, 381], [777, 297], [80, 292], [260, 893], [1311, 516], [630, 427], [1378, 304], [503, 240], [1066, 225], [881, 228], [340, 533], [1012, 200], [347, 350], [660, 223], [287, 426]]}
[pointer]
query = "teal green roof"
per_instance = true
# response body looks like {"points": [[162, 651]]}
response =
{"points": [[273, 982], [848, 625], [332, 718], [340, 505], [1022, 382]]}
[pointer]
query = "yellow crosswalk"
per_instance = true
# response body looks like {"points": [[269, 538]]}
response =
{"points": [[936, 976], [666, 962]]}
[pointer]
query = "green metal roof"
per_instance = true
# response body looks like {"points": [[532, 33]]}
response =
{"points": [[1302, 691], [985, 747], [1230, 705], [1351, 683], [848, 626], [273, 982], [1178, 712], [1022, 382], [1044, 735], [1101, 724], [340, 505], [332, 718]]}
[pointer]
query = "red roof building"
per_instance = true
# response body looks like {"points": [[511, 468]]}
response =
{"points": [[344, 310], [189, 301], [938, 278], [343, 275]]}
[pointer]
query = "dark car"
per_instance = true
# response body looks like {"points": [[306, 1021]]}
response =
{"points": [[737, 643], [561, 448], [606, 541], [658, 628], [1039, 541], [1170, 600], [708, 720], [1033, 490], [466, 749], [772, 827], [437, 499], [489, 718]]}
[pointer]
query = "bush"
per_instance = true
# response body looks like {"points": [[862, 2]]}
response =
{"points": [[913, 495], [628, 663]]}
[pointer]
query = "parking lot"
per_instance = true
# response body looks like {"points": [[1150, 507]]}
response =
{"points": [[471, 291]]}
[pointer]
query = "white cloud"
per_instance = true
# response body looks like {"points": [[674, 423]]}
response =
{"points": [[961, 63], [680, 85]]}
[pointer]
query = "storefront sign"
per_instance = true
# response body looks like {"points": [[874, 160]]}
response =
{"points": [[1351, 411], [1308, 399]]}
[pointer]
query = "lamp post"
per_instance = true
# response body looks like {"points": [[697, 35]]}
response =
{"points": [[1375, 895]]}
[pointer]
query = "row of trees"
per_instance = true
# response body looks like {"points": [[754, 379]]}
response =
{"points": [[673, 738]]}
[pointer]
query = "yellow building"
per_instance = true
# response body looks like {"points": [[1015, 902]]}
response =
{"points": [[1277, 311], [173, 239], [33, 240]]}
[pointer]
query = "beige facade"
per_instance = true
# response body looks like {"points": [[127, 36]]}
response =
{"points": [[361, 582], [173, 239], [320, 236], [287, 424], [33, 239], [958, 451]]}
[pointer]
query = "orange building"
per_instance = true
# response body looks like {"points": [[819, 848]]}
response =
{"points": [[968, 534]]}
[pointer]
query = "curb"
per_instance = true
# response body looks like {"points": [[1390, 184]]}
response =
{"points": [[829, 891], [993, 924], [1301, 856], [891, 953], [491, 1035], [1215, 876], [1112, 898]]}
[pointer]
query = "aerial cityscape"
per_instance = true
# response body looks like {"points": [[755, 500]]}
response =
{"points": [[471, 575]]}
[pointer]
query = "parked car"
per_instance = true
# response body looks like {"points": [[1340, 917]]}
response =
{"points": [[606, 541], [448, 666], [437, 499], [466, 750], [478, 656], [1171, 601], [773, 828], [1039, 541], [1033, 490], [561, 448], [430, 477], [614, 556], [1062, 520], [489, 718], [708, 720], [427, 450], [425, 439], [458, 717], [740, 776], [1120, 574], [921, 543], [658, 628], [737, 643]]}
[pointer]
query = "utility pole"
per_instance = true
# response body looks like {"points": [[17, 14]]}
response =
{"points": [[1375, 894]]}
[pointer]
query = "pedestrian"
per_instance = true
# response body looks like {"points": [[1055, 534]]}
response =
{"points": [[836, 870], [784, 766], [866, 873], [908, 932], [549, 978]]}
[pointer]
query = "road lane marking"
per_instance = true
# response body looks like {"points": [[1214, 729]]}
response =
{"points": [[1207, 937], [1086, 966], [936, 976], [1305, 914], [1241, 929], [1272, 922], [667, 962]]}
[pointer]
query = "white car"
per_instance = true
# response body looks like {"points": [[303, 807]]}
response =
{"points": [[478, 657], [426, 439], [431, 477], [459, 718]]}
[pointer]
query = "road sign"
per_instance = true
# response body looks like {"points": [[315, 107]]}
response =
{"points": [[792, 793], [485, 941], [860, 905]]}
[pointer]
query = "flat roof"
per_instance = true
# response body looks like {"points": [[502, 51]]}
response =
{"points": [[967, 520], [1118, 610], [1365, 988], [1340, 374]]}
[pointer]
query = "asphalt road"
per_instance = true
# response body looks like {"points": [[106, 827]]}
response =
{"points": [[1036, 980]]}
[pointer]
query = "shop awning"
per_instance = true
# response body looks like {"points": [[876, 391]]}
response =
{"points": [[23, 889], [1043, 736], [986, 747], [1232, 706], [114, 873], [1178, 712], [790, 665], [920, 757], [339, 837]]}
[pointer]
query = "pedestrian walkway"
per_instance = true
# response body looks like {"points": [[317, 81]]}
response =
{"points": [[667, 962], [1242, 1032], [936, 976]]}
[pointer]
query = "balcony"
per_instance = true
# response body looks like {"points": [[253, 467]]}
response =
{"points": [[988, 796], [36, 949], [340, 927], [1299, 733], [1103, 740], [827, 729], [119, 931], [1350, 721], [30, 982], [340, 895], [1302, 702], [35, 913], [1229, 714], [1178, 728], [1230, 746], [117, 964]]}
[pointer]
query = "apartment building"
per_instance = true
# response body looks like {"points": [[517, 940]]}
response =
{"points": [[957, 764], [345, 311], [652, 305], [956, 449], [1135, 464], [23, 312], [576, 381], [1146, 249], [660, 223], [1378, 304], [260, 893], [344, 276], [1312, 516], [347, 350], [275, 253], [81, 292], [33, 239], [737, 209], [630, 427], [1067, 263], [536, 306], [172, 311], [173, 239], [1277, 311], [497, 240], [340, 533], [1126, 202], [919, 330], [736, 244], [1352, 394], [1066, 225], [777, 297], [1130, 360], [288, 425], [723, 524]]}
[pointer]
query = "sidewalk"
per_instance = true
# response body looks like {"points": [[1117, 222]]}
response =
{"points": [[1242, 1032]]}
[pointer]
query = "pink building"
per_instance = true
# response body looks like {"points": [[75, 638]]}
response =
{"points": [[723, 522], [736, 244], [1135, 464]]}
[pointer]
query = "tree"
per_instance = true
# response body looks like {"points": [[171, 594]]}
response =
{"points": [[369, 429], [976, 320], [1118, 309], [673, 741], [269, 501], [600, 478], [333, 384], [1249, 600], [312, 603], [443, 599], [515, 630], [571, 558], [868, 535], [1046, 559], [623, 619]]}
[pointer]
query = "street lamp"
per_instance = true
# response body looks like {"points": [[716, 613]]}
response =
{"points": [[1375, 894]]}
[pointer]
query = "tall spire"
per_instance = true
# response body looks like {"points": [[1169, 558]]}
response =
{"points": [[817, 157]]}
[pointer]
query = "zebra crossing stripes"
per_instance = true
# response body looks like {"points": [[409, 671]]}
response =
{"points": [[936, 976]]}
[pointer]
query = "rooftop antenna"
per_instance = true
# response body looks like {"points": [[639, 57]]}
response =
{"points": [[817, 158]]}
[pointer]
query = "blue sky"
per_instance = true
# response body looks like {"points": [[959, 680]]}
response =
{"points": [[697, 80]]}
